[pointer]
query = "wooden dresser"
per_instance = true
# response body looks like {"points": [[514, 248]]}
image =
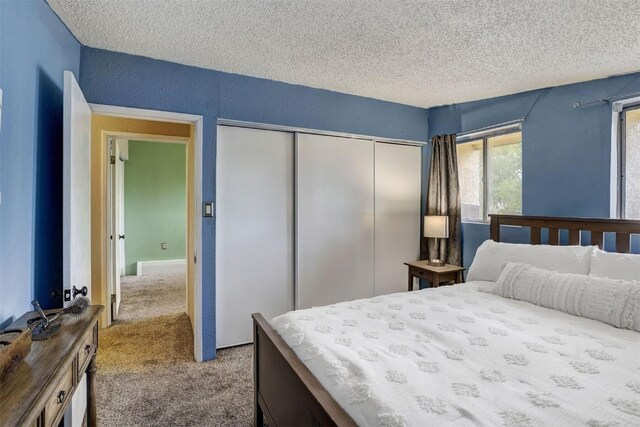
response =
{"points": [[40, 389]]}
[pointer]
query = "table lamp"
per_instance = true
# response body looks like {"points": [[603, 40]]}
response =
{"points": [[436, 227]]}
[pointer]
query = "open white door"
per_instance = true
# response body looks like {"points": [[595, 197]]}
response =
{"points": [[116, 223], [121, 228], [76, 188], [76, 241], [120, 264]]}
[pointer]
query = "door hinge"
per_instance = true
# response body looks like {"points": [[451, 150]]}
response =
{"points": [[195, 259], [113, 160]]}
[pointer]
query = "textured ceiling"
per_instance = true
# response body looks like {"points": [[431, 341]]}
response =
{"points": [[421, 53]]}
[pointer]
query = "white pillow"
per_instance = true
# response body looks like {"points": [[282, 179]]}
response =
{"points": [[615, 302], [615, 265], [491, 258]]}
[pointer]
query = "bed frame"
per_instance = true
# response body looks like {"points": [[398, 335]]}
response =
{"points": [[287, 394]]}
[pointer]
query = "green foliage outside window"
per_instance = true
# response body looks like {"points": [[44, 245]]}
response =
{"points": [[505, 179]]}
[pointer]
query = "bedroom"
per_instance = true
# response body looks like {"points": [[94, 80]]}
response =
{"points": [[391, 72]]}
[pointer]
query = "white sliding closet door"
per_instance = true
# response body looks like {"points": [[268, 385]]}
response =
{"points": [[335, 219], [397, 200], [254, 229]]}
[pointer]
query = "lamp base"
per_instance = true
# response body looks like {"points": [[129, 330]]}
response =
{"points": [[436, 262]]}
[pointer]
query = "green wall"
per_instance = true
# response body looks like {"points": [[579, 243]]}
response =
{"points": [[155, 202]]}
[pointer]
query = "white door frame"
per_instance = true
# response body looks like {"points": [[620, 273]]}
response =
{"points": [[197, 121], [113, 275]]}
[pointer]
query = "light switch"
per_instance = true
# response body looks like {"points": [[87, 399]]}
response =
{"points": [[163, 246], [207, 209]]}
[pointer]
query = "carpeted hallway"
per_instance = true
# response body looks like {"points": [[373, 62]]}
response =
{"points": [[146, 372]]}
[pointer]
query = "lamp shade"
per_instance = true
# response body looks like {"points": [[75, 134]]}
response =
{"points": [[436, 226]]}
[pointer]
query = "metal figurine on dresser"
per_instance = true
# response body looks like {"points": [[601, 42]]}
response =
{"points": [[44, 327]]}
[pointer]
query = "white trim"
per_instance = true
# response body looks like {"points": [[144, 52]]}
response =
{"points": [[106, 144], [507, 127], [138, 136], [197, 121], [161, 267], [143, 137], [614, 190], [142, 113], [293, 129], [619, 105]]}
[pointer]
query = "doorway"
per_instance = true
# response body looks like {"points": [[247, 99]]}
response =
{"points": [[114, 124], [147, 210]]}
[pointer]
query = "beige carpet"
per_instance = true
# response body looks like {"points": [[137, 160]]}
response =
{"points": [[146, 373], [144, 297]]}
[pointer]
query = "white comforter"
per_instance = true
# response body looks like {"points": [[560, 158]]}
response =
{"points": [[453, 355]]}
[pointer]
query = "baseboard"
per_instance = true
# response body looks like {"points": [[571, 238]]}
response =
{"points": [[161, 267]]}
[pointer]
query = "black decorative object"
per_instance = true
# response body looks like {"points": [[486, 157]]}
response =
{"points": [[45, 326]]}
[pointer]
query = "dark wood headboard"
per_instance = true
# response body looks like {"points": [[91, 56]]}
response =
{"points": [[623, 228]]}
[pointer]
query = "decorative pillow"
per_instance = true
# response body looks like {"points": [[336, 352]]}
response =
{"points": [[615, 302], [491, 258], [614, 265]]}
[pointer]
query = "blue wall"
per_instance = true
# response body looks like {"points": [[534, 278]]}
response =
{"points": [[565, 151], [133, 81], [35, 49]]}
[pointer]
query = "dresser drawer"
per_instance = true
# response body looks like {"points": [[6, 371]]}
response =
{"points": [[421, 274], [57, 402], [86, 350]]}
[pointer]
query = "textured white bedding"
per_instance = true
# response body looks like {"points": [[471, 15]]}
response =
{"points": [[616, 302], [453, 355]]}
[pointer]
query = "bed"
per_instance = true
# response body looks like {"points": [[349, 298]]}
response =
{"points": [[451, 355]]}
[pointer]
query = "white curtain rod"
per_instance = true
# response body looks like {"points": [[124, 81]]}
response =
{"points": [[477, 133], [605, 100]]}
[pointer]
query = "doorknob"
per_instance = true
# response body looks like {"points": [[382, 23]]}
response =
{"points": [[82, 291], [120, 236]]}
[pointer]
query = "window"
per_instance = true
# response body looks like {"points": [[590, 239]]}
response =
{"points": [[470, 175], [630, 163], [490, 174]]}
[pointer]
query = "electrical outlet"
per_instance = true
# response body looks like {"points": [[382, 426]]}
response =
{"points": [[67, 295], [163, 246]]}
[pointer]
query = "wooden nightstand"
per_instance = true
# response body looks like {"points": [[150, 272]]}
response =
{"points": [[435, 275]]}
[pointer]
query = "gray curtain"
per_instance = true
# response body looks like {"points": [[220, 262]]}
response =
{"points": [[443, 198]]}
